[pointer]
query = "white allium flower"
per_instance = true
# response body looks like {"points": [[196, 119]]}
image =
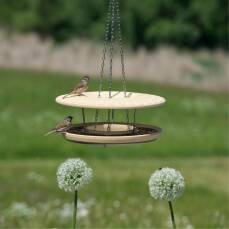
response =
{"points": [[167, 184], [73, 174]]}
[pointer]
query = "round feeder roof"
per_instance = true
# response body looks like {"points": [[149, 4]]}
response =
{"points": [[117, 101]]}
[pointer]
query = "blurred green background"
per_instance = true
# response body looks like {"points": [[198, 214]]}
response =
{"points": [[189, 24], [194, 121]]}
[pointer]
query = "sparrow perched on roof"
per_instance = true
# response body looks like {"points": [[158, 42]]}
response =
{"points": [[62, 127], [81, 87]]}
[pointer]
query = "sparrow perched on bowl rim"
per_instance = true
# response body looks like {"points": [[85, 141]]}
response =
{"points": [[62, 127], [80, 88]]}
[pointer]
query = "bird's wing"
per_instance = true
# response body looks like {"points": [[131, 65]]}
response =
{"points": [[61, 126], [81, 89], [78, 89], [79, 86]]}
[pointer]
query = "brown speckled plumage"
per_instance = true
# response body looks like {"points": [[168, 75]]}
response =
{"points": [[62, 127], [81, 87]]}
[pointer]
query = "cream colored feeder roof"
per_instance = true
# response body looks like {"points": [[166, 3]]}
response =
{"points": [[117, 101]]}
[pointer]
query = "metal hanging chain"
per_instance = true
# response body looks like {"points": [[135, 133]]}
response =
{"points": [[112, 37], [113, 26], [121, 47], [122, 54], [107, 29]]}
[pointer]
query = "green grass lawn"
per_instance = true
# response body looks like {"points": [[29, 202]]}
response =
{"points": [[194, 141], [118, 197]]}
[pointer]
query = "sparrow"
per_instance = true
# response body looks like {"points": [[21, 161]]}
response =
{"points": [[81, 87], [62, 127]]}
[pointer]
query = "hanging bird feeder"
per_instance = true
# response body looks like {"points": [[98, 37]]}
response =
{"points": [[111, 131]]}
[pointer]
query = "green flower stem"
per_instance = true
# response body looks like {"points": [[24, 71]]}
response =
{"points": [[75, 209], [172, 214]]}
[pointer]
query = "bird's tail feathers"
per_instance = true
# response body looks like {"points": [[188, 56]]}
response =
{"points": [[71, 94], [50, 132], [66, 96]]}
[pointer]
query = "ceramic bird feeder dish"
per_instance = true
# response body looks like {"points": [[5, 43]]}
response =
{"points": [[109, 131]]}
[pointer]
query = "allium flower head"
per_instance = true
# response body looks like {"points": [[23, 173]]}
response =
{"points": [[167, 184], [73, 174]]}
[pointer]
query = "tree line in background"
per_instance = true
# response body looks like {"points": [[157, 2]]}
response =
{"points": [[182, 23]]}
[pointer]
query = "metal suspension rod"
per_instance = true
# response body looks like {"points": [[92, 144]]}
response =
{"points": [[134, 120], [83, 115], [109, 120], [112, 115], [127, 116], [135, 111], [96, 117]]}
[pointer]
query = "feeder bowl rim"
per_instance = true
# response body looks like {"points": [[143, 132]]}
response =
{"points": [[79, 137]]}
